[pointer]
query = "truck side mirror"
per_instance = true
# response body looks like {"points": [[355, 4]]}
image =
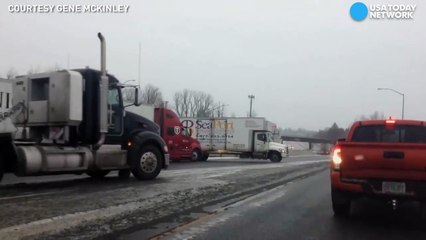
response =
{"points": [[138, 99]]}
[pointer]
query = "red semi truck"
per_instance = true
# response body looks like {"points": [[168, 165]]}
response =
{"points": [[382, 159], [177, 137]]}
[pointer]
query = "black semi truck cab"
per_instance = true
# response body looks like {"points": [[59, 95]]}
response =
{"points": [[74, 121]]}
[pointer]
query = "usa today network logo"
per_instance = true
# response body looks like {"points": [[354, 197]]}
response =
{"points": [[359, 11]]}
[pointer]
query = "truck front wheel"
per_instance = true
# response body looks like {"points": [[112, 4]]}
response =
{"points": [[275, 157], [196, 155], [205, 156], [146, 164]]}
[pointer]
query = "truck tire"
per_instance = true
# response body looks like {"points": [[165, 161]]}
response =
{"points": [[124, 173], [197, 155], [146, 164], [275, 157], [205, 156], [98, 174], [341, 205]]}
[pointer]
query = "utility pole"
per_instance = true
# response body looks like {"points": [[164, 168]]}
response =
{"points": [[251, 97]]}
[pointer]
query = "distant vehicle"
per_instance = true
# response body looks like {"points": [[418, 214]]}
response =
{"points": [[74, 121], [247, 137], [323, 152], [383, 159]]}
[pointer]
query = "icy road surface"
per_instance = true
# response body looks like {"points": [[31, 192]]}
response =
{"points": [[77, 207]]}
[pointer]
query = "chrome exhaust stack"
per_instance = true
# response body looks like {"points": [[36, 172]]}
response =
{"points": [[103, 96]]}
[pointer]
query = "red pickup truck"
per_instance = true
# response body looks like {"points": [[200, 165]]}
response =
{"points": [[380, 159]]}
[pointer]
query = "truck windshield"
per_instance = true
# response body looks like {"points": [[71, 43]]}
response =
{"points": [[385, 133], [185, 132]]}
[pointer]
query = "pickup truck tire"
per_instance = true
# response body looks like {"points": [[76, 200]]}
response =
{"points": [[275, 157], [98, 174], [147, 163], [341, 205], [124, 173], [197, 155]]}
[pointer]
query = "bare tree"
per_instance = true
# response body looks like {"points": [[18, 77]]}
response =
{"points": [[151, 95], [177, 98], [204, 104], [33, 70], [11, 73], [183, 103], [128, 94], [186, 103], [377, 116], [189, 103], [374, 116]]}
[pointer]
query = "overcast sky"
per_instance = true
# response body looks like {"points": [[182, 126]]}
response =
{"points": [[307, 62]]}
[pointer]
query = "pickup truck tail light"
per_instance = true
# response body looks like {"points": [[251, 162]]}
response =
{"points": [[337, 158]]}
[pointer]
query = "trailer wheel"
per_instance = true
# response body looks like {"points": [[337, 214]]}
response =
{"points": [[98, 174], [275, 157], [197, 155], [146, 164], [124, 173], [205, 156]]}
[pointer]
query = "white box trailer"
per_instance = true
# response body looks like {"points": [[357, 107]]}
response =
{"points": [[251, 137]]}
